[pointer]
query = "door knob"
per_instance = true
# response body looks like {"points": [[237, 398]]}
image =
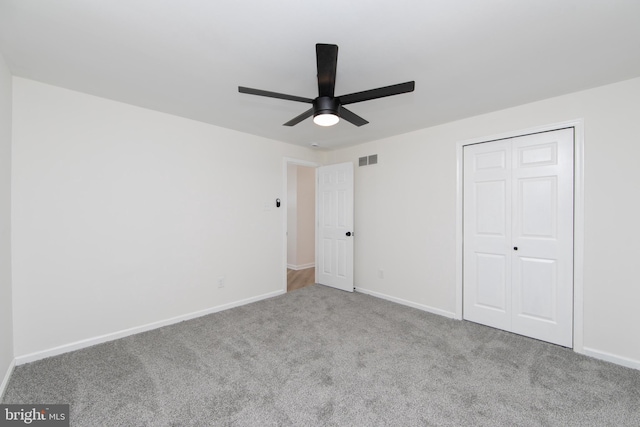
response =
{"points": [[515, 248], [348, 233]]}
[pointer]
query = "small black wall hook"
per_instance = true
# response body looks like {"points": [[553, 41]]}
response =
{"points": [[277, 203]]}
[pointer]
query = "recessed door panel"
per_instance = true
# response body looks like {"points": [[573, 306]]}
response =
{"points": [[341, 211], [538, 155], [326, 177], [327, 207], [536, 298], [491, 272], [327, 259], [341, 249], [538, 207], [490, 198], [491, 160]]}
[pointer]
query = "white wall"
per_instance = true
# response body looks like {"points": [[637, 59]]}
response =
{"points": [[301, 193], [406, 210], [6, 322], [306, 224], [292, 215], [125, 216]]}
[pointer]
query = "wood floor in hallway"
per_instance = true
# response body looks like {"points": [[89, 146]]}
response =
{"points": [[298, 279]]}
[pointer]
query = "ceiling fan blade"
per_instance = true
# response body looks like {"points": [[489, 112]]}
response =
{"points": [[380, 92], [352, 117], [266, 93], [299, 118], [327, 61]]}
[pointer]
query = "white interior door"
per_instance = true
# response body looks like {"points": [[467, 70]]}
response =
{"points": [[518, 235], [334, 251]]}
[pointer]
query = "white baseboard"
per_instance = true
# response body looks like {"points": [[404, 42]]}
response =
{"points": [[412, 304], [597, 354], [32, 357], [5, 380], [608, 357], [301, 267]]}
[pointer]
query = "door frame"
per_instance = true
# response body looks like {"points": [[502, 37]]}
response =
{"points": [[286, 162], [578, 218]]}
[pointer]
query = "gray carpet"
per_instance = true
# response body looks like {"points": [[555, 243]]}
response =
{"points": [[323, 357]]}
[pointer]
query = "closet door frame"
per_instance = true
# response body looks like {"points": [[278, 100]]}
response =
{"points": [[578, 219]]}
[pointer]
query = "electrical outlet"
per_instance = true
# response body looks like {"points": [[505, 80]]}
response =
{"points": [[221, 282]]}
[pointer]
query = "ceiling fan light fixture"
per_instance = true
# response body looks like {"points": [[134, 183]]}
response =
{"points": [[327, 108], [326, 119], [325, 111]]}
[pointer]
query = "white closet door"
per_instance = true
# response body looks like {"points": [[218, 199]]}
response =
{"points": [[487, 234], [542, 265], [518, 235]]}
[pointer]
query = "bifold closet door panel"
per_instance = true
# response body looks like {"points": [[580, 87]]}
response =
{"points": [[518, 235]]}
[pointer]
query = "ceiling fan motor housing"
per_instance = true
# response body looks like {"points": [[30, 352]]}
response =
{"points": [[326, 105]]}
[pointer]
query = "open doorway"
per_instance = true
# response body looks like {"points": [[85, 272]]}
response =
{"points": [[301, 225]]}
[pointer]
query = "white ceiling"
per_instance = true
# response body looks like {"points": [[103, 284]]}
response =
{"points": [[188, 57]]}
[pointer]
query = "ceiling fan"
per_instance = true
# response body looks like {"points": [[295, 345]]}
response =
{"points": [[327, 109]]}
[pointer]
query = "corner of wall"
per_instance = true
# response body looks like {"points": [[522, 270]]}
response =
{"points": [[7, 360]]}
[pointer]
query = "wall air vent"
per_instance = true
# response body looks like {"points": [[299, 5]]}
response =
{"points": [[368, 160]]}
